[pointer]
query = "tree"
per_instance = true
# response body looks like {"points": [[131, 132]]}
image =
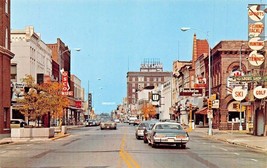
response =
{"points": [[39, 100], [149, 111]]}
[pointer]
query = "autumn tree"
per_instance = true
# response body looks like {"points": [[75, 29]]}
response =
{"points": [[57, 102], [149, 111], [39, 100]]}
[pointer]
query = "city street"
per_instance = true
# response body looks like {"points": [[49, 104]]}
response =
{"points": [[90, 147]]}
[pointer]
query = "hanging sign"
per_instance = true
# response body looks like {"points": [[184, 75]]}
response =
{"points": [[260, 92]]}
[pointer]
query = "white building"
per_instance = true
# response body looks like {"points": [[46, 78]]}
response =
{"points": [[166, 100], [32, 55]]}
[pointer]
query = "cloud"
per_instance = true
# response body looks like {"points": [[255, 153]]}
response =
{"points": [[108, 103]]}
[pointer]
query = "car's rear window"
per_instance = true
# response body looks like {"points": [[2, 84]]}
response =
{"points": [[169, 126]]}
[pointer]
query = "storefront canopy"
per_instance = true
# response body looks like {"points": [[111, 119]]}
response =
{"points": [[202, 111]]}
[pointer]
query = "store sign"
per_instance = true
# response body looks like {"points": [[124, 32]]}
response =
{"points": [[65, 83], [190, 92], [260, 92], [256, 33], [239, 93]]}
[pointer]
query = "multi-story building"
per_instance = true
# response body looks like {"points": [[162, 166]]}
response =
{"points": [[30, 50], [151, 74], [5, 56]]}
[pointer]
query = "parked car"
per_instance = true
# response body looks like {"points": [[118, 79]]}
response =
{"points": [[108, 124], [139, 132], [168, 133], [17, 123]]}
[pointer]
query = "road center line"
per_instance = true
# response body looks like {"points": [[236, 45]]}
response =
{"points": [[127, 158]]}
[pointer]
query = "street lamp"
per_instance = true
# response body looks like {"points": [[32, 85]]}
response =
{"points": [[240, 69], [209, 94], [60, 58]]}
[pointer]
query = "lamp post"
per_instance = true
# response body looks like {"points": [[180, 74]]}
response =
{"points": [[240, 69], [60, 58], [209, 71]]}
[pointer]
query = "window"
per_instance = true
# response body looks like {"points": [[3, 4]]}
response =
{"points": [[6, 7], [6, 39], [14, 72]]}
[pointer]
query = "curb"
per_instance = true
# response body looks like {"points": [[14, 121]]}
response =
{"points": [[58, 137], [238, 143]]}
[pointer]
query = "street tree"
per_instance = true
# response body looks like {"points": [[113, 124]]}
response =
{"points": [[149, 111], [43, 99]]}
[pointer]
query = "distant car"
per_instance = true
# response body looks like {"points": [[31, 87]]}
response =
{"points": [[108, 124], [17, 123], [168, 133], [91, 122], [132, 119], [117, 120], [139, 132], [137, 122]]}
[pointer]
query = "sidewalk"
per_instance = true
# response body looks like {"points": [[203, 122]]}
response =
{"points": [[6, 138], [241, 138]]}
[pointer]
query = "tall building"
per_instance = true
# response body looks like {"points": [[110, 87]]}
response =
{"points": [[5, 56], [151, 74]]}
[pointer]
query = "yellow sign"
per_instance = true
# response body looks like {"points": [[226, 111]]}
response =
{"points": [[212, 97], [243, 108]]}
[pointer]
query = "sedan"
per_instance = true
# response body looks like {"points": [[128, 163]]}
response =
{"points": [[139, 132], [108, 124], [168, 133]]}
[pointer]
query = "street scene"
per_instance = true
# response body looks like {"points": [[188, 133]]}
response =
{"points": [[93, 147], [133, 84]]}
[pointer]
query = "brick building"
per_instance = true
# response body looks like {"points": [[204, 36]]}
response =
{"points": [[151, 74], [5, 57]]}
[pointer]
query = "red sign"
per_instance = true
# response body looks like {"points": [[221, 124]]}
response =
{"points": [[78, 104], [65, 83]]}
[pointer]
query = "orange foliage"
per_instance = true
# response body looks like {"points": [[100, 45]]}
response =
{"points": [[149, 111]]}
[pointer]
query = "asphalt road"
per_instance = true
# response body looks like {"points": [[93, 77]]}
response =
{"points": [[90, 147]]}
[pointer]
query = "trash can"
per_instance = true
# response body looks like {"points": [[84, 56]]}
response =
{"points": [[63, 129]]}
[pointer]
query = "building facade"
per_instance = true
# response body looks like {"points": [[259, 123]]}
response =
{"points": [[151, 74], [5, 61], [30, 50]]}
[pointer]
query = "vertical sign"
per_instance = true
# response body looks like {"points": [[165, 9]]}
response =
{"points": [[256, 33], [66, 86], [89, 101]]}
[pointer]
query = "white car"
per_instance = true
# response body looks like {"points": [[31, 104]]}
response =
{"points": [[131, 120], [168, 133]]}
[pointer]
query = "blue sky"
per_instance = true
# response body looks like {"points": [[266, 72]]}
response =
{"points": [[117, 35]]}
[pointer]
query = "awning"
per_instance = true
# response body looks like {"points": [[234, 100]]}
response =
{"points": [[202, 111]]}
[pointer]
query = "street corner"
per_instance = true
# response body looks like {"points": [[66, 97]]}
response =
{"points": [[58, 136]]}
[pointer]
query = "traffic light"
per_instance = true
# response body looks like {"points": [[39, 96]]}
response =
{"points": [[209, 104]]}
